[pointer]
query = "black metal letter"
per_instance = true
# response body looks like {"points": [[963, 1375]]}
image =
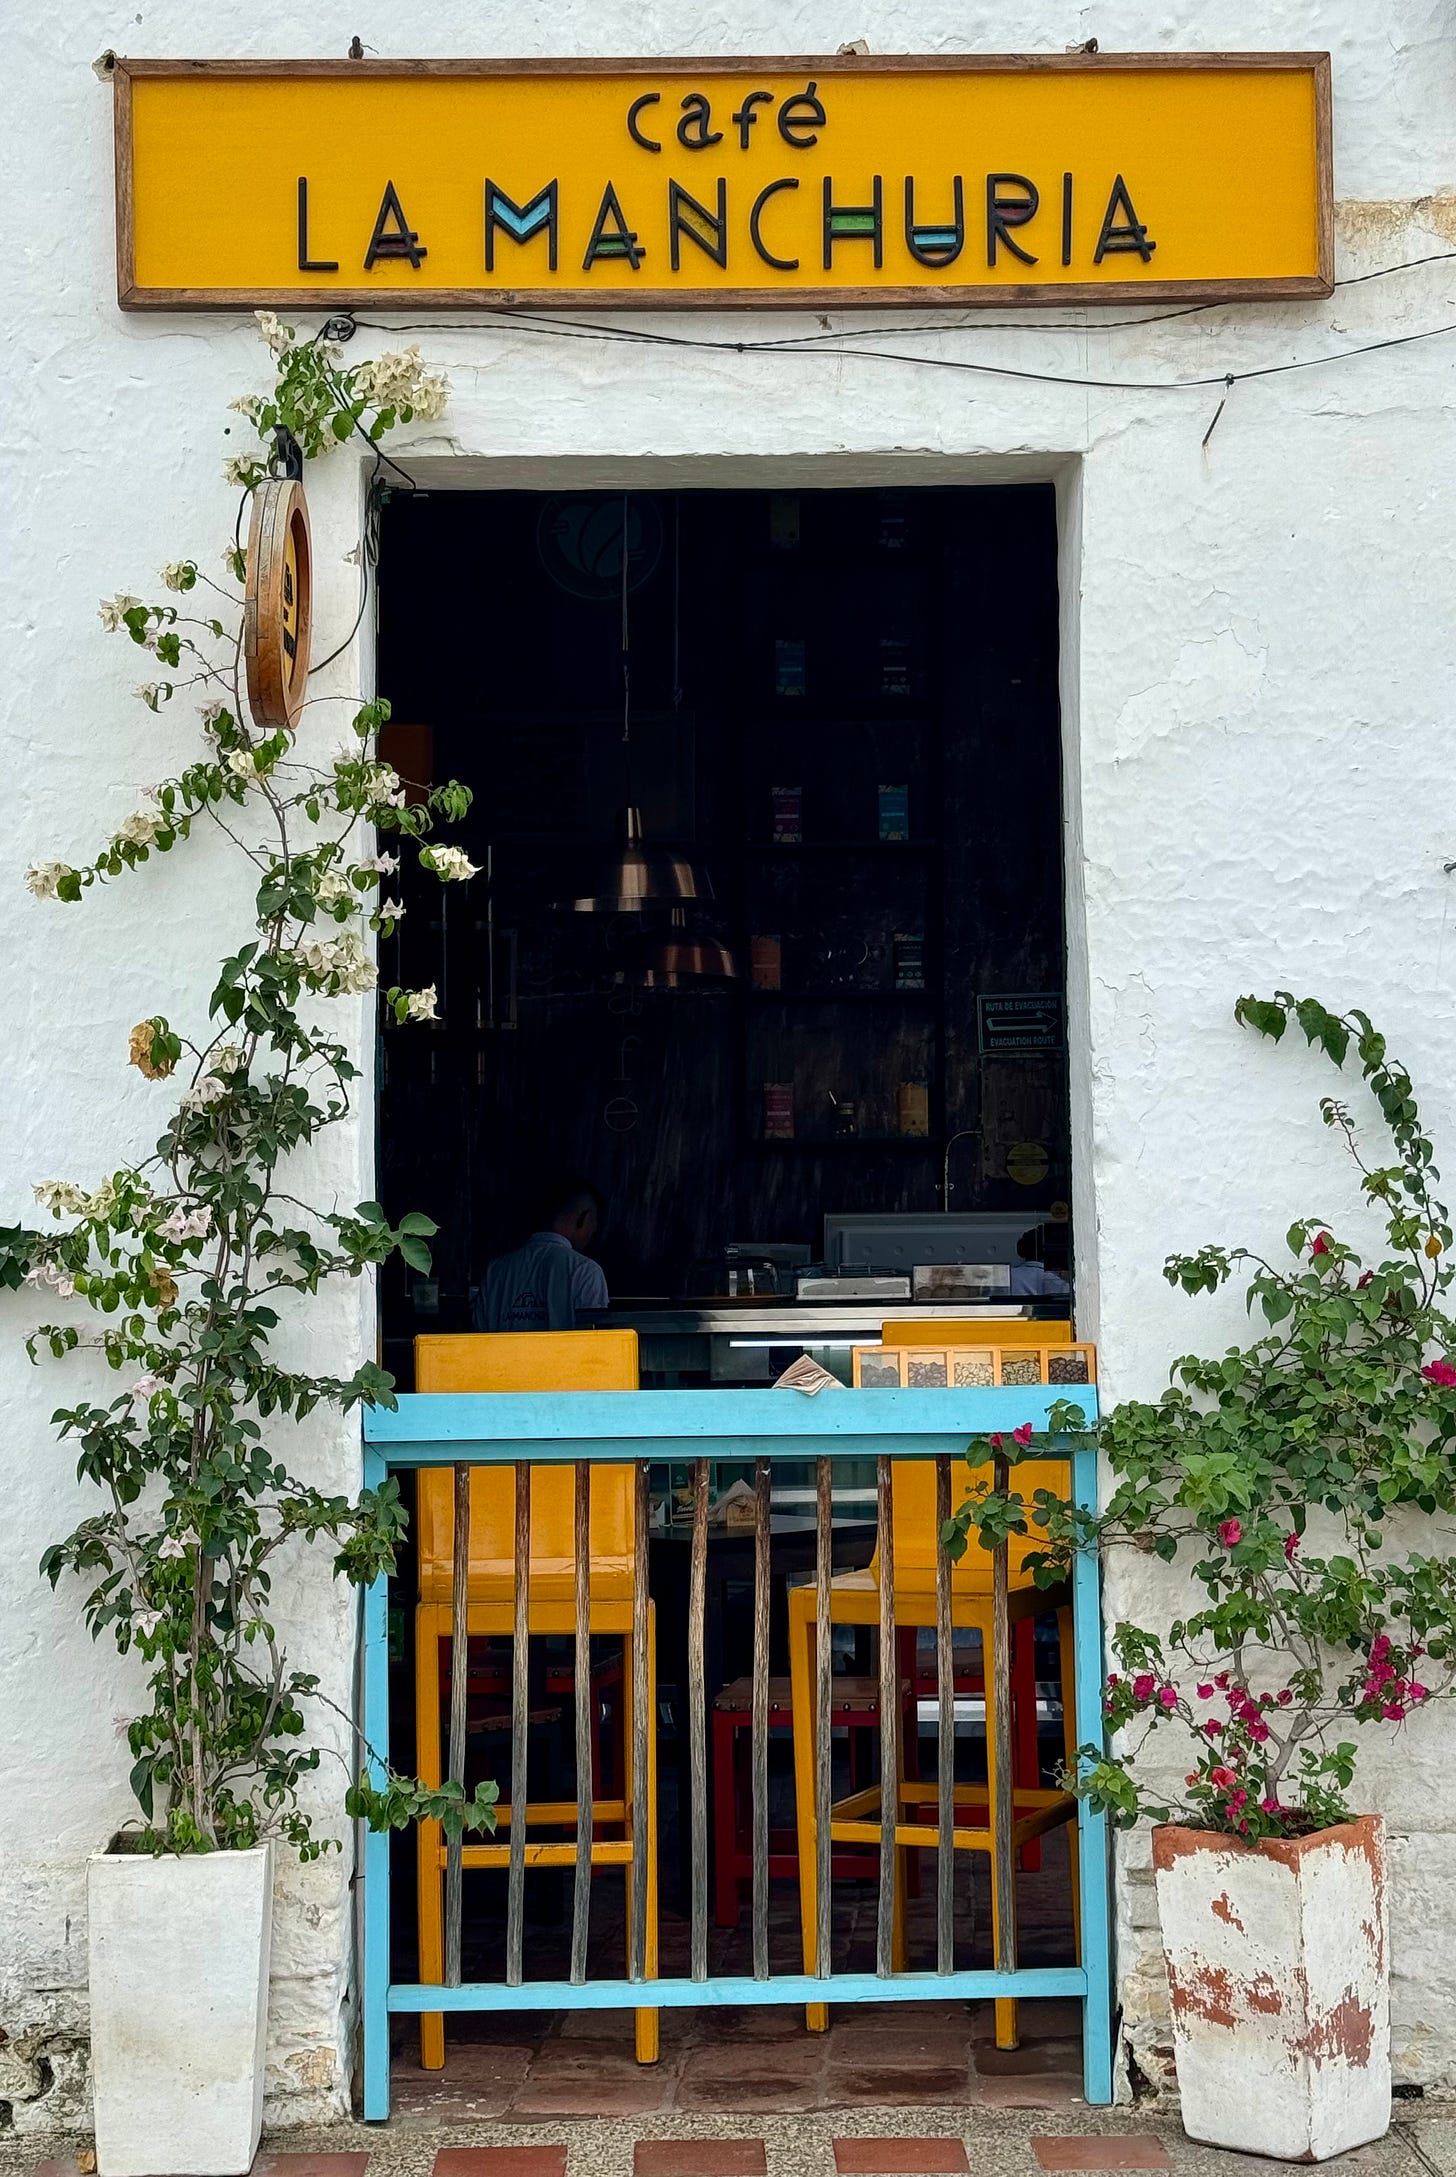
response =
{"points": [[521, 221], [397, 241], [936, 245], [686, 216], [802, 129], [305, 262], [1004, 213], [1127, 234], [745, 117], [1066, 219], [853, 223], [697, 115], [755, 231], [618, 240], [648, 98]]}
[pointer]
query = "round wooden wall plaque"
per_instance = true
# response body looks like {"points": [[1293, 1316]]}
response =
{"points": [[278, 604]]}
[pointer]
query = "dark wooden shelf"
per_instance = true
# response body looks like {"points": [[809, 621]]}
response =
{"points": [[819, 1146], [838, 997]]}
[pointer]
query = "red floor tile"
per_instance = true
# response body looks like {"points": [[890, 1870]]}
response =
{"points": [[900, 2157], [1101, 2150], [270, 2163], [501, 2161], [699, 2158]]}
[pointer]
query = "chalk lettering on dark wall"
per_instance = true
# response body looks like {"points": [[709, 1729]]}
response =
{"points": [[932, 244], [686, 216], [611, 237], [396, 240], [755, 226], [305, 262], [1011, 200], [539, 214], [1122, 230]]}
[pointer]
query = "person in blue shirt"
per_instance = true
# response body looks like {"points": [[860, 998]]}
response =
{"points": [[551, 1280]]}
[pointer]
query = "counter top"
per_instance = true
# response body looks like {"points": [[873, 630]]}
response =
{"points": [[792, 1324]]}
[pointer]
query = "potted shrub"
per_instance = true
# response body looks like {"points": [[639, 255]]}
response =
{"points": [[1288, 1482], [186, 1260]]}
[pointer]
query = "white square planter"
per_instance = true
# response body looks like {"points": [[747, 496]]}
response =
{"points": [[179, 2004], [1280, 1989]]}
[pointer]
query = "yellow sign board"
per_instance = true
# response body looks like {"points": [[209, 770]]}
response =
{"points": [[707, 183]]}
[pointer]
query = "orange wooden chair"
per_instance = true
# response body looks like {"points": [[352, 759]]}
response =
{"points": [[592, 1360]]}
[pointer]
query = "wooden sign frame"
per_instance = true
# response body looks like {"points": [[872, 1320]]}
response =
{"points": [[277, 626], [1011, 294]]}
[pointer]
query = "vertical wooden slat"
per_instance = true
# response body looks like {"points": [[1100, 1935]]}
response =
{"points": [[1003, 1812], [698, 1719], [889, 1720], [761, 1539], [945, 1758], [642, 1724], [585, 1703], [520, 1711], [823, 1729], [459, 1699]]}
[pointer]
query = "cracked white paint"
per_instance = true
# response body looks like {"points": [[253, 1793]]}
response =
{"points": [[1258, 686]]}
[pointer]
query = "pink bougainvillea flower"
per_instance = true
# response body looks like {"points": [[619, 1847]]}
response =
{"points": [[1238, 1799], [1223, 1778], [1367, 1279], [1291, 1544], [1380, 1647], [1023, 1434], [1112, 1678], [1271, 1806], [1221, 1680], [995, 1442], [1440, 1372], [1230, 1533], [1393, 1711], [1417, 1693], [1168, 1695], [1205, 1691], [1320, 1245], [1142, 1686], [1284, 1696], [1212, 1727], [1259, 1732]]}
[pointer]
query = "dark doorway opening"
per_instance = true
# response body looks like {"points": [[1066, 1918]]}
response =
{"points": [[841, 708]]}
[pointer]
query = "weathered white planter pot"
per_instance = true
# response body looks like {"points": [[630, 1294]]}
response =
{"points": [[179, 2001], [1280, 1987]]}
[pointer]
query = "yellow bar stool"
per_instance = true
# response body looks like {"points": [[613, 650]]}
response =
{"points": [[854, 1599], [591, 1360]]}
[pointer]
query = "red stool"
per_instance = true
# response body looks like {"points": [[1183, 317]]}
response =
{"points": [[854, 1705]]}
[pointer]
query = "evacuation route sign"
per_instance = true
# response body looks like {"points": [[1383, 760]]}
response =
{"points": [[1020, 1022]]}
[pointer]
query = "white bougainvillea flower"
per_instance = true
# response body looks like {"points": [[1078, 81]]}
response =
{"points": [[227, 1058], [452, 864], [154, 693], [401, 380], [60, 1196], [391, 911], [172, 1547], [179, 574], [272, 329], [242, 762], [146, 1387], [246, 404], [420, 1004], [141, 827], [205, 1090], [333, 885], [380, 865], [146, 1622], [43, 879], [114, 611], [187, 1224]]}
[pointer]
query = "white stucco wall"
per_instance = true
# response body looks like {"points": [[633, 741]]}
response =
{"points": [[1258, 684]]}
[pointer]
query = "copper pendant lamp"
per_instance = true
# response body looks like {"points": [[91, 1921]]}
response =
{"points": [[642, 878]]}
